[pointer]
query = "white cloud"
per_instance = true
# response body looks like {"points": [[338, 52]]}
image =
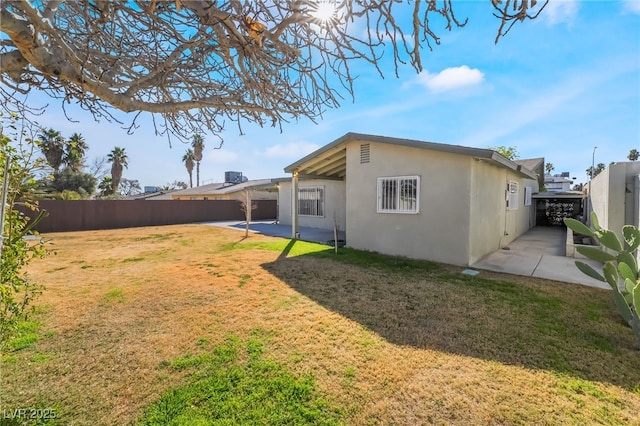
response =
{"points": [[451, 78], [560, 11], [220, 156], [290, 150], [632, 6]]}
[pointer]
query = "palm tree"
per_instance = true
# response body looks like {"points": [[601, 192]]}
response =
{"points": [[76, 149], [105, 187], [188, 159], [633, 155], [52, 146], [118, 159], [549, 168], [595, 171], [198, 147]]}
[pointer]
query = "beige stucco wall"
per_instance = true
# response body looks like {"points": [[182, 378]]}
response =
{"points": [[439, 232], [598, 196], [614, 196], [463, 213], [334, 201], [493, 226]]}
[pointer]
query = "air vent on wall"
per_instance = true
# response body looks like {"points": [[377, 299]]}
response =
{"points": [[365, 153]]}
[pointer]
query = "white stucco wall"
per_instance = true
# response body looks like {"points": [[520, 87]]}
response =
{"points": [[614, 196], [462, 217], [493, 226], [439, 232], [334, 193]]}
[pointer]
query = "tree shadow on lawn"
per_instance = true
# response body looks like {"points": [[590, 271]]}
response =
{"points": [[533, 323]]}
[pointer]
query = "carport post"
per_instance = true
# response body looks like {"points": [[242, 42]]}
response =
{"points": [[294, 206]]}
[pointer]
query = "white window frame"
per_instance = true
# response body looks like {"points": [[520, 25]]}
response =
{"points": [[313, 197], [527, 196], [513, 195], [390, 200]]}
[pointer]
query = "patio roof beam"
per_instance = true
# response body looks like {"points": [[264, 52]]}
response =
{"points": [[334, 169], [322, 162]]}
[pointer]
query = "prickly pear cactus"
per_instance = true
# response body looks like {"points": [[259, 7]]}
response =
{"points": [[620, 268]]}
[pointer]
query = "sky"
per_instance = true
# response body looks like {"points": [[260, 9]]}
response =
{"points": [[556, 87]]}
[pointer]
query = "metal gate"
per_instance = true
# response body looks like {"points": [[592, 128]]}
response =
{"points": [[551, 211]]}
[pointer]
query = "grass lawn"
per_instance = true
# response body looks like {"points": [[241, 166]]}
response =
{"points": [[196, 325]]}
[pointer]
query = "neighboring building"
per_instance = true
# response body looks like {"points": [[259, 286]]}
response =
{"points": [[557, 201], [262, 189], [423, 200], [536, 165], [558, 183], [614, 194]]}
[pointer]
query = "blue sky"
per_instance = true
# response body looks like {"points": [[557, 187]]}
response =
{"points": [[555, 88]]}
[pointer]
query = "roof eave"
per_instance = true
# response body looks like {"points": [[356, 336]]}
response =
{"points": [[480, 153]]}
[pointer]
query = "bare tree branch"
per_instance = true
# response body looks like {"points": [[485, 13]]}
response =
{"points": [[199, 63]]}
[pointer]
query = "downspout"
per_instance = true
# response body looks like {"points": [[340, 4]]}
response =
{"points": [[295, 234]]}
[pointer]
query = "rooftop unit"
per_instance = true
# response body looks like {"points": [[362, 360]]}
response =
{"points": [[234, 177]]}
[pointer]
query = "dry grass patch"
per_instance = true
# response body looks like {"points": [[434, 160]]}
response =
{"points": [[386, 341]]}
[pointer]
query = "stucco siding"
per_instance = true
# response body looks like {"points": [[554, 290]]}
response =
{"points": [[493, 225], [614, 196], [440, 230], [598, 197], [334, 202]]}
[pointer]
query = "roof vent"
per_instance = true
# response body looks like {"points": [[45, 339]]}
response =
{"points": [[365, 153]]}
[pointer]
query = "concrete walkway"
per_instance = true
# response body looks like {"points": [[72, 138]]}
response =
{"points": [[540, 253], [274, 229]]}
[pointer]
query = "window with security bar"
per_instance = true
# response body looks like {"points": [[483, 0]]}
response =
{"points": [[400, 194], [311, 201]]}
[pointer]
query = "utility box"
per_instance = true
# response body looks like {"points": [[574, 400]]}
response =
{"points": [[233, 177]]}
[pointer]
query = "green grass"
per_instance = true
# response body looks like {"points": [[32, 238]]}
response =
{"points": [[582, 392], [26, 336], [114, 296], [366, 259], [244, 279], [158, 236], [234, 384]]}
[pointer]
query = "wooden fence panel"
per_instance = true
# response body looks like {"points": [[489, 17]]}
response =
{"points": [[80, 215]]}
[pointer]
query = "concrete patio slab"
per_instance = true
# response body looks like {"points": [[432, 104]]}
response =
{"points": [[561, 268], [274, 229], [540, 253], [510, 262]]}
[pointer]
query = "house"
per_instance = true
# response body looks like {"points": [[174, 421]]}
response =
{"points": [[558, 183], [157, 195], [536, 165], [261, 189], [614, 194], [423, 200]]}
